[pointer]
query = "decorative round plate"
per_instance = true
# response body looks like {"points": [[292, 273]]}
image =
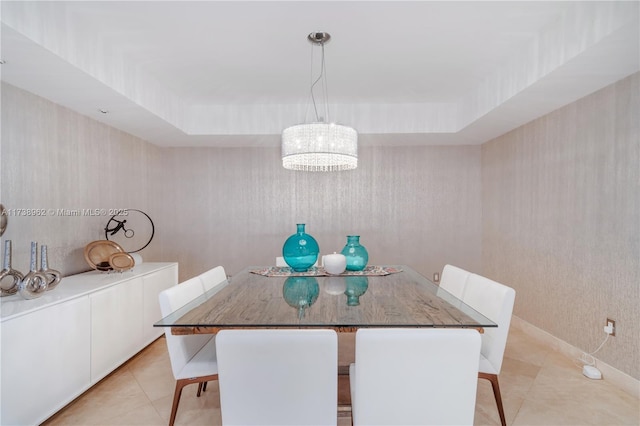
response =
{"points": [[121, 261], [97, 254]]}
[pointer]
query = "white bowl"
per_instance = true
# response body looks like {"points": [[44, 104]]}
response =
{"points": [[335, 263]]}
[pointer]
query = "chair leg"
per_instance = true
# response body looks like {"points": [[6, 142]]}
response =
{"points": [[493, 378], [202, 387], [178, 392], [176, 399]]}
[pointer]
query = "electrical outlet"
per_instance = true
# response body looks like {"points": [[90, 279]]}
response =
{"points": [[436, 277], [610, 328]]}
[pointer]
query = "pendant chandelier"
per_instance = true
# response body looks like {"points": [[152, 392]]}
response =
{"points": [[320, 146]]}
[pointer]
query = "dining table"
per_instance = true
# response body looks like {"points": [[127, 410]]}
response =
{"points": [[278, 297]]}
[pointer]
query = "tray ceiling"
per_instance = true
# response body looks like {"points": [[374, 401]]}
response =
{"points": [[211, 73]]}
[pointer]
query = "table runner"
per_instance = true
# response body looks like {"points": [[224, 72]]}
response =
{"points": [[285, 271]]}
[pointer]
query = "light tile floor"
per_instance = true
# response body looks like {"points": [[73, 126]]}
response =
{"points": [[539, 387]]}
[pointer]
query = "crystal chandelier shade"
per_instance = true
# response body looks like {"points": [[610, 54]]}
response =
{"points": [[319, 146]]}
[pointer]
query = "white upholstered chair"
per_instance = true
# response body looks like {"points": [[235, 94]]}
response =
{"points": [[193, 357], [454, 280], [280, 261], [213, 277], [278, 377], [494, 301], [424, 376]]}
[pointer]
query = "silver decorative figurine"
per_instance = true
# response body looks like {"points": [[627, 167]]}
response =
{"points": [[9, 277], [53, 276], [34, 283]]}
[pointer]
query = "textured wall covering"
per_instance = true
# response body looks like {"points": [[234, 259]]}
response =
{"points": [[234, 207], [53, 158], [418, 206], [551, 208], [561, 221]]}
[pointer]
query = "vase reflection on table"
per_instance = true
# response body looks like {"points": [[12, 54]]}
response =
{"points": [[300, 293], [355, 287], [351, 286]]}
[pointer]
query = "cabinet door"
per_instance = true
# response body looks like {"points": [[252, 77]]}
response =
{"points": [[153, 284], [45, 361], [116, 326]]}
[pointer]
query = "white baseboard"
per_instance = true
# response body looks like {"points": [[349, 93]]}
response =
{"points": [[613, 375]]}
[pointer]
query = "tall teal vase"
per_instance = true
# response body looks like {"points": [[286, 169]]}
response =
{"points": [[301, 250], [357, 256]]}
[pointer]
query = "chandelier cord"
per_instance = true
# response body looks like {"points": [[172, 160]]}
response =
{"points": [[325, 86], [320, 77]]}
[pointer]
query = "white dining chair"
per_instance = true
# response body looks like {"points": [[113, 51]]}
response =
{"points": [[193, 357], [494, 301], [278, 377], [281, 262], [420, 376], [454, 280], [213, 278]]}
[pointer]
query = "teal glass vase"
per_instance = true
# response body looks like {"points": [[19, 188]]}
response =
{"points": [[300, 251], [356, 254]]}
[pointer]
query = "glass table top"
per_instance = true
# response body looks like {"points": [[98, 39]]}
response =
{"points": [[249, 300]]}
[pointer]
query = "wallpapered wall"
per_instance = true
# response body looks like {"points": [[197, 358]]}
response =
{"points": [[236, 207], [53, 158], [548, 208], [561, 221]]}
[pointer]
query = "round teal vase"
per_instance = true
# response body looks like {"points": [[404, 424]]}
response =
{"points": [[356, 254], [301, 250]]}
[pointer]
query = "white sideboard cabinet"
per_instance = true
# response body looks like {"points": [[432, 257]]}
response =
{"points": [[57, 346]]}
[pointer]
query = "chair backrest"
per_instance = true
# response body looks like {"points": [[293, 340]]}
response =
{"points": [[422, 376], [494, 301], [181, 348], [278, 377], [213, 277], [454, 280], [281, 262]]}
